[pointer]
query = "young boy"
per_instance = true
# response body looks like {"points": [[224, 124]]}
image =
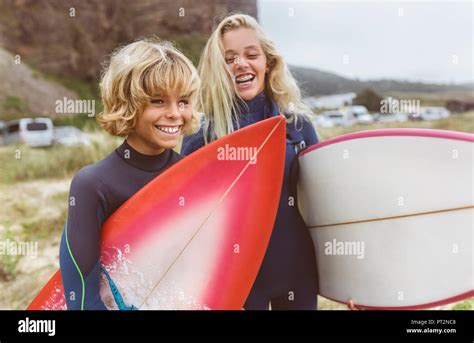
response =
{"points": [[149, 90]]}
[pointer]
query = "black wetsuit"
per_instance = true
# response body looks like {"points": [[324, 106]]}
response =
{"points": [[96, 192], [287, 278]]}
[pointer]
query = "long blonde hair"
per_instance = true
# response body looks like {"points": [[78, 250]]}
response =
{"points": [[218, 99]]}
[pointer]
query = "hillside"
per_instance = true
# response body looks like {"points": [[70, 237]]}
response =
{"points": [[316, 82], [24, 91]]}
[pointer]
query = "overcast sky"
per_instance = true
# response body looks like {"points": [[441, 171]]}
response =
{"points": [[416, 41]]}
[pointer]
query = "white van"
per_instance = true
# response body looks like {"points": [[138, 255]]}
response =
{"points": [[36, 132]]}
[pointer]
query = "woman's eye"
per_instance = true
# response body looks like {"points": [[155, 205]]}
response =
{"points": [[252, 57], [229, 60]]}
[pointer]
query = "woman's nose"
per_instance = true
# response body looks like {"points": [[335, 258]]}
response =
{"points": [[241, 62]]}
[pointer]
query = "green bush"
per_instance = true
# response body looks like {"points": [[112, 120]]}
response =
{"points": [[13, 107]]}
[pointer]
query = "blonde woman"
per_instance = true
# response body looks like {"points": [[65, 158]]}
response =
{"points": [[149, 90], [245, 80]]}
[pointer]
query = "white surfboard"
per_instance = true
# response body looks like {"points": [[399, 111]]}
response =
{"points": [[391, 214]]}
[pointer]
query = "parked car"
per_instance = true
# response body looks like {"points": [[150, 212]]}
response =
{"points": [[434, 113], [416, 116], [335, 118], [391, 117], [35, 132], [70, 135], [323, 121], [360, 113], [2, 132]]}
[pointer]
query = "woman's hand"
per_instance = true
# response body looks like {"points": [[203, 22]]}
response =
{"points": [[351, 306]]}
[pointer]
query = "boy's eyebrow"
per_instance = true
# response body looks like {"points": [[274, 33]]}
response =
{"points": [[158, 95], [161, 96]]}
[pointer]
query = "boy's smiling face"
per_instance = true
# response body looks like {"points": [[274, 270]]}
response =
{"points": [[160, 125]]}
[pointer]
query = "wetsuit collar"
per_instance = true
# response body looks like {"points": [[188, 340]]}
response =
{"points": [[256, 109], [255, 105], [149, 163]]}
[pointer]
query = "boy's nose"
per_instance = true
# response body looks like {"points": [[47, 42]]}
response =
{"points": [[174, 111]]}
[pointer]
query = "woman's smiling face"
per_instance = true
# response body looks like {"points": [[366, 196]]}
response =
{"points": [[246, 61]]}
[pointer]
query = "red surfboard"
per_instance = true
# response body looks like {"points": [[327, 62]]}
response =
{"points": [[195, 236]]}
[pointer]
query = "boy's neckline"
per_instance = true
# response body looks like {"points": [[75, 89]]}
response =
{"points": [[149, 163]]}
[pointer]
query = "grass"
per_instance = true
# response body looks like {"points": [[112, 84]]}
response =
{"points": [[467, 304], [81, 121], [8, 268], [31, 212], [13, 107], [22, 163], [34, 191]]}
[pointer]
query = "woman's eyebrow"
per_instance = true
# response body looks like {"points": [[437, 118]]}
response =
{"points": [[249, 47]]}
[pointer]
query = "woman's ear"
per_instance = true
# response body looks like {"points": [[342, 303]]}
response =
{"points": [[194, 123], [270, 64]]}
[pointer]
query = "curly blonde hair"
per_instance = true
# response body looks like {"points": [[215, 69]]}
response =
{"points": [[137, 72]]}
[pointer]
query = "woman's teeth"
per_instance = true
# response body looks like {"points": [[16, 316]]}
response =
{"points": [[168, 129], [244, 79]]}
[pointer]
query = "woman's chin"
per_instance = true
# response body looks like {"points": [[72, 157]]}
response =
{"points": [[248, 94]]}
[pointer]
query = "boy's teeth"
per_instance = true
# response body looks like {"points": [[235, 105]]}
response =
{"points": [[168, 129]]}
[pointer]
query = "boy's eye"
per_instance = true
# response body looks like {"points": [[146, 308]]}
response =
{"points": [[183, 102], [157, 101]]}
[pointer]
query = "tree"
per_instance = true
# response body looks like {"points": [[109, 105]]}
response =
{"points": [[368, 98]]}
